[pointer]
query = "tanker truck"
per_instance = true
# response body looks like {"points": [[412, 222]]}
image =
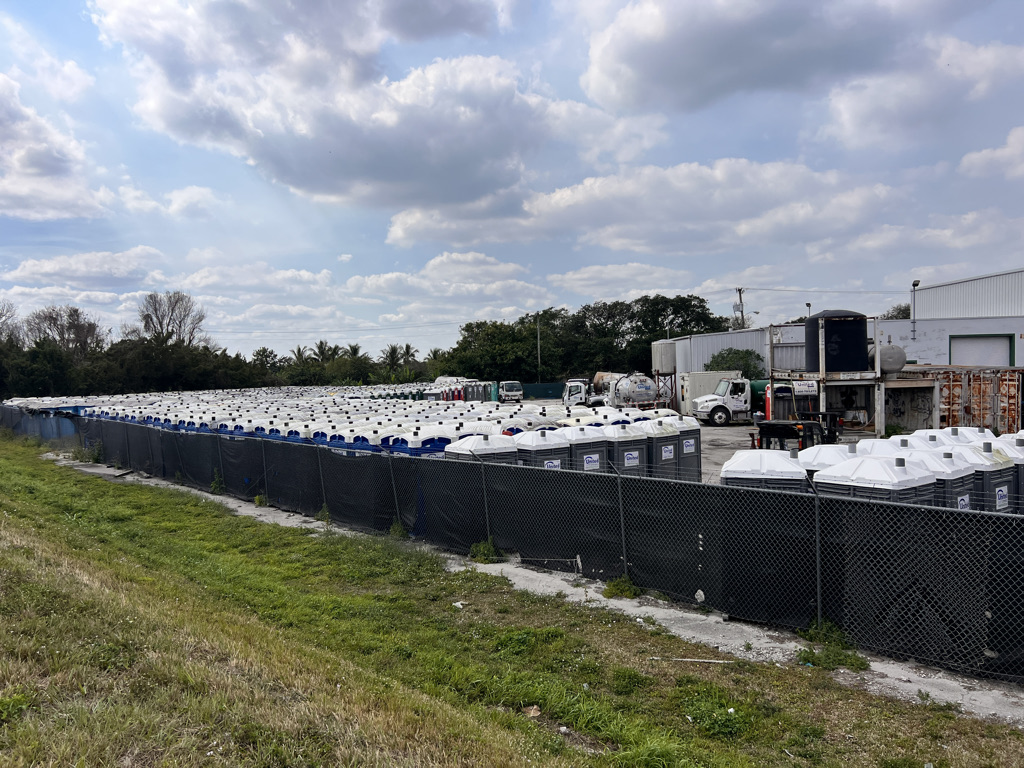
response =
{"points": [[613, 389]]}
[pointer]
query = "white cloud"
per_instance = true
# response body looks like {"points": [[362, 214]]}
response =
{"points": [[102, 269], [690, 53], [63, 80], [188, 203], [313, 111], [622, 281], [345, 258], [899, 108], [42, 171], [1007, 160], [688, 208]]}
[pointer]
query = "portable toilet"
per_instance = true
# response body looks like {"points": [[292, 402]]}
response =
{"points": [[954, 477], [913, 442], [772, 470], [995, 476], [689, 447], [494, 449], [883, 478], [547, 449], [588, 448], [819, 457], [431, 443], [627, 448], [1013, 446], [945, 437], [662, 448]]}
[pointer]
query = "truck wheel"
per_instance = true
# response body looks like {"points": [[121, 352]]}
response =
{"points": [[720, 417]]}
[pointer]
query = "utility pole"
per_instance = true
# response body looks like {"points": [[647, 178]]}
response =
{"points": [[538, 348], [743, 321]]}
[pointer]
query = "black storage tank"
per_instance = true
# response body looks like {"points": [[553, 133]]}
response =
{"points": [[846, 341]]}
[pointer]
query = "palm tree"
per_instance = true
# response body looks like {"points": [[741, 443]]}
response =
{"points": [[409, 354], [391, 358], [352, 351], [326, 352], [300, 354], [434, 359]]}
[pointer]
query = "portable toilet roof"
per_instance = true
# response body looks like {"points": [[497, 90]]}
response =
{"points": [[913, 442], [980, 459], [482, 444], [819, 457], [887, 472], [876, 447], [618, 432], [535, 441], [761, 463], [942, 436], [581, 434], [657, 427], [662, 413], [971, 434], [945, 465]]}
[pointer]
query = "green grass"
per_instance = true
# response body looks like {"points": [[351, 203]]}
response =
{"points": [[141, 625], [621, 587]]}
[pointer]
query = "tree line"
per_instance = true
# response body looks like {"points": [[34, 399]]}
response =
{"points": [[62, 350]]}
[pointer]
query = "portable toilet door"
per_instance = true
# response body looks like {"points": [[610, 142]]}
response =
{"points": [[995, 476], [1013, 447], [588, 448], [662, 448], [954, 477], [627, 449]]}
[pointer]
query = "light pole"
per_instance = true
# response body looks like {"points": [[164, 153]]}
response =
{"points": [[808, 309], [913, 310]]}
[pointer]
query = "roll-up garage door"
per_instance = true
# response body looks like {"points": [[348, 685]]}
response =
{"points": [[991, 351]]}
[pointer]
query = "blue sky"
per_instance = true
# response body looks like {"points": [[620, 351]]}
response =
{"points": [[378, 171]]}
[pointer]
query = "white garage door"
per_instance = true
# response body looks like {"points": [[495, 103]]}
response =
{"points": [[980, 350]]}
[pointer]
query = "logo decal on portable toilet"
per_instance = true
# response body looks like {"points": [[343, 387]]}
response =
{"points": [[592, 462], [1002, 497], [963, 502], [552, 464], [689, 446], [631, 458], [668, 452]]}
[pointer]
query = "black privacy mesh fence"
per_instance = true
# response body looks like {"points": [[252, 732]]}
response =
{"points": [[939, 585]]}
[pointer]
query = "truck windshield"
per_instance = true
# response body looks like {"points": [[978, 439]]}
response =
{"points": [[513, 386], [723, 388]]}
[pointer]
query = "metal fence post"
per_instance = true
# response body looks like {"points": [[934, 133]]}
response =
{"points": [[622, 520], [127, 450], [320, 468], [220, 458], [266, 477], [483, 478], [394, 488], [817, 551]]}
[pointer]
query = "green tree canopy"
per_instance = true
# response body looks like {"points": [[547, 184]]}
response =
{"points": [[747, 361]]}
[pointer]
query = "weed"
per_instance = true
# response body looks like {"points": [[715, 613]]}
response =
{"points": [[835, 652], [626, 681], [397, 530], [217, 484], [623, 586], [485, 552], [324, 516], [14, 704], [88, 454], [178, 477], [748, 646], [259, 500]]}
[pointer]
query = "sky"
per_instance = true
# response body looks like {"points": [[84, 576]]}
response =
{"points": [[383, 171]]}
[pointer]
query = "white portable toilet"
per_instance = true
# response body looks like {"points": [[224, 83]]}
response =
{"points": [[548, 449], [494, 449], [883, 478], [768, 469], [819, 457]]}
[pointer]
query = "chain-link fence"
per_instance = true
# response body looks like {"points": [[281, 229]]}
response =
{"points": [[941, 585]]}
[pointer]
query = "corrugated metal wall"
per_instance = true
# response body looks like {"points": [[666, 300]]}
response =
{"points": [[999, 295]]}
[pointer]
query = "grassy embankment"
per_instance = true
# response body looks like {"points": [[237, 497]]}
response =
{"points": [[143, 626]]}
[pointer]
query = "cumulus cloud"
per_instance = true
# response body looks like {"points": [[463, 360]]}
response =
{"points": [[189, 202], [100, 269], [42, 170], [687, 208], [63, 80], [1007, 160], [895, 109], [690, 53], [314, 111], [623, 281]]}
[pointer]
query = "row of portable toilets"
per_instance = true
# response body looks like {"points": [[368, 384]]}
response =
{"points": [[654, 443], [955, 467]]}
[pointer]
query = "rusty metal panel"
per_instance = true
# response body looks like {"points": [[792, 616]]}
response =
{"points": [[980, 398]]}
